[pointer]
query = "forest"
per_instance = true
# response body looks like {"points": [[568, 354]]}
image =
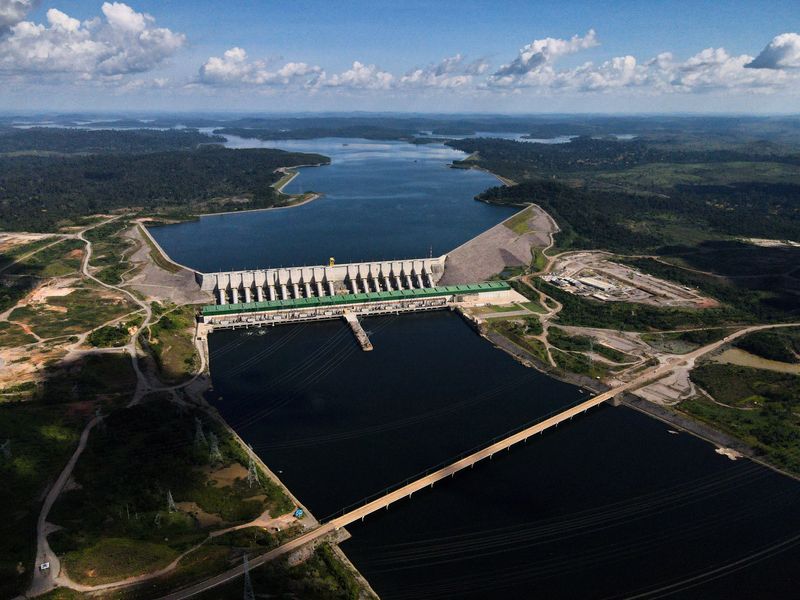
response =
{"points": [[630, 222], [40, 193], [93, 141]]}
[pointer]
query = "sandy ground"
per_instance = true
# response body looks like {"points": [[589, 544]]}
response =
{"points": [[158, 284], [11, 240], [495, 249]]}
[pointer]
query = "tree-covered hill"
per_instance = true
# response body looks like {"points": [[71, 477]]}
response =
{"points": [[38, 193]]}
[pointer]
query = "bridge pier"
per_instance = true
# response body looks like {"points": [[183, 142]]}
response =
{"points": [[358, 331]]}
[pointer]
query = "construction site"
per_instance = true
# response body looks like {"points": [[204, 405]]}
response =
{"points": [[594, 275]]}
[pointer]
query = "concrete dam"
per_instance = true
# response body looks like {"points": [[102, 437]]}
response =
{"points": [[263, 297], [291, 283]]}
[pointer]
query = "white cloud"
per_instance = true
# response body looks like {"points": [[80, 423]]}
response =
{"points": [[711, 69], [477, 67], [234, 68], [783, 52], [13, 11], [537, 59], [446, 74], [359, 76], [124, 42]]}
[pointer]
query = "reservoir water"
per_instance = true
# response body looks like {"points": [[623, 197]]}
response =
{"points": [[610, 505], [382, 200]]}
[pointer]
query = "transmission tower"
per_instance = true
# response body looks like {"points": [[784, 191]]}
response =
{"points": [[6, 449], [252, 471], [199, 436], [171, 503], [214, 455], [248, 585]]}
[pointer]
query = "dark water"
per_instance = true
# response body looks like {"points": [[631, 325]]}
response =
{"points": [[383, 200], [341, 424], [610, 505]]}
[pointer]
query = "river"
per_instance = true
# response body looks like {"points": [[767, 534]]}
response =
{"points": [[613, 504]]}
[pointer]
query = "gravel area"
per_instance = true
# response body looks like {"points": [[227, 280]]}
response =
{"points": [[497, 248]]}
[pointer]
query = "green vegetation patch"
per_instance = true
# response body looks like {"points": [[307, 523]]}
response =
{"points": [[42, 192], [520, 332], [78, 311], [627, 316], [778, 344], [110, 251], [681, 342], [125, 486], [56, 261], [772, 297], [113, 336], [581, 343], [40, 440], [112, 559], [12, 335], [171, 341], [772, 426], [519, 222], [94, 376], [573, 362]]}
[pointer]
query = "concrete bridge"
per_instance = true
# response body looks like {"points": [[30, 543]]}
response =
{"points": [[405, 491], [234, 287]]}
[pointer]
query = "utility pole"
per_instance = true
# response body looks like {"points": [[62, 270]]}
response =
{"points": [[214, 454], [171, 503], [199, 436]]}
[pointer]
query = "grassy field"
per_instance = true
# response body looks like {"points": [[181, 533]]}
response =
{"points": [[56, 261], [519, 222], [12, 335], [112, 559], [667, 175], [681, 342], [171, 342], [41, 438], [110, 250], [534, 307], [559, 338], [520, 333], [8, 256], [83, 309], [769, 422]]}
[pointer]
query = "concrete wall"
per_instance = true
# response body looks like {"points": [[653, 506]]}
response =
{"points": [[230, 287]]}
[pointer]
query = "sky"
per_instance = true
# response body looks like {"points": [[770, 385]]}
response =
{"points": [[500, 56]]}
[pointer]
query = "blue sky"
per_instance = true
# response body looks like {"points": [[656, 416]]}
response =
{"points": [[501, 56]]}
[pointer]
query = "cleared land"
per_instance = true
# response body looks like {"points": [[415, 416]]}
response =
{"points": [[592, 274]]}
